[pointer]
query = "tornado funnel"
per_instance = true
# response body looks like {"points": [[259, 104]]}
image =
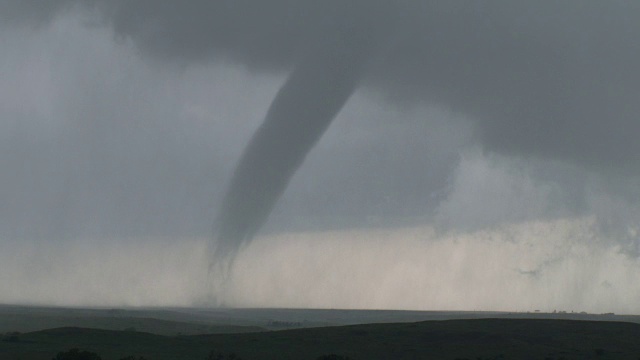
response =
{"points": [[301, 112]]}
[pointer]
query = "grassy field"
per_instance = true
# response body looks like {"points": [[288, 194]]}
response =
{"points": [[450, 339], [155, 321], [193, 321]]}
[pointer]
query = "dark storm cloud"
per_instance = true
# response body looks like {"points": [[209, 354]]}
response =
{"points": [[550, 80], [29, 12], [546, 80]]}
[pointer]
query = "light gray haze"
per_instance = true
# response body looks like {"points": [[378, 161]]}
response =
{"points": [[343, 153]]}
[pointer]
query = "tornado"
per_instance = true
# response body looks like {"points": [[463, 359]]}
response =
{"points": [[317, 88]]}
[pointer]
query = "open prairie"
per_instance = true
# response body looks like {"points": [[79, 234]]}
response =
{"points": [[309, 334]]}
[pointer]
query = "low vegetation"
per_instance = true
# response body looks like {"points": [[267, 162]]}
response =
{"points": [[486, 339]]}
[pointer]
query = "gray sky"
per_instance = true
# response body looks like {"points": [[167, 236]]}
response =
{"points": [[124, 121]]}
